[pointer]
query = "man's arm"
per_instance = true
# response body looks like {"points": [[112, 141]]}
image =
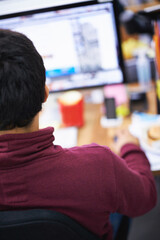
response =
{"points": [[135, 186]]}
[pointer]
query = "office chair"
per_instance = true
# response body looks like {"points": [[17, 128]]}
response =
{"points": [[41, 224]]}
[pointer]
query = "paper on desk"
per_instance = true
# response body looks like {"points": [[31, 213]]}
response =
{"points": [[140, 123], [154, 161], [152, 155], [66, 137]]}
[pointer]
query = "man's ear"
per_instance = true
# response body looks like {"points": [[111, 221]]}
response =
{"points": [[46, 93]]}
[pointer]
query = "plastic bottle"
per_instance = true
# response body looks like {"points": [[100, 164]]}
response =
{"points": [[143, 70]]}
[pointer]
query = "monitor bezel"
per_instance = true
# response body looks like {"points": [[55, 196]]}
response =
{"points": [[73, 5]]}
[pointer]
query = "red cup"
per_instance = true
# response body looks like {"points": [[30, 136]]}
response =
{"points": [[71, 109]]}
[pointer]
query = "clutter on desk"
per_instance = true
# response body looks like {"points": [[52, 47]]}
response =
{"points": [[110, 108], [71, 108], [143, 68], [112, 122], [140, 120], [119, 93], [94, 96], [130, 45], [146, 127], [115, 105], [138, 101], [139, 59]]}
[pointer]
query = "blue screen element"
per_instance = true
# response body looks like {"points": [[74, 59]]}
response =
{"points": [[60, 72]]}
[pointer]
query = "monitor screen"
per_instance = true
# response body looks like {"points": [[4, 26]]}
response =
{"points": [[78, 42]]}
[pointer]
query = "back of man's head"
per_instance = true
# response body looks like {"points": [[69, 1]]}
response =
{"points": [[22, 80]]}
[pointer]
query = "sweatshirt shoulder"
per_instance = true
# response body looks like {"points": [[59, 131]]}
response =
{"points": [[91, 152], [93, 148]]}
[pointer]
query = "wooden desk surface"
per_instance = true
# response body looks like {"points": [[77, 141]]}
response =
{"points": [[92, 131]]}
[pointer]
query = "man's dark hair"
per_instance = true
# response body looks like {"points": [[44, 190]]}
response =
{"points": [[22, 80]]}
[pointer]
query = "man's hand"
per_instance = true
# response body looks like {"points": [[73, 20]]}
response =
{"points": [[123, 137]]}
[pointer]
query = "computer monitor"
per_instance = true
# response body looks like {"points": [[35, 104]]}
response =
{"points": [[79, 43]]}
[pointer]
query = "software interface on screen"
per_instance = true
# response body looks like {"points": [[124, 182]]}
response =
{"points": [[79, 45]]}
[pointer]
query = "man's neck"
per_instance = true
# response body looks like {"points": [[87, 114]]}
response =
{"points": [[33, 127]]}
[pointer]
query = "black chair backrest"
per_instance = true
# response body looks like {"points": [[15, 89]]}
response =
{"points": [[41, 224]]}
